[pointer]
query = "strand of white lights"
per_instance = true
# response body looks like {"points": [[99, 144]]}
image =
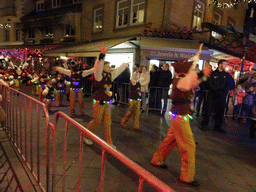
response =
{"points": [[226, 5], [250, 1]]}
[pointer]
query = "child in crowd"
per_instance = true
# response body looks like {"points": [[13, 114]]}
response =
{"points": [[239, 93], [248, 102]]}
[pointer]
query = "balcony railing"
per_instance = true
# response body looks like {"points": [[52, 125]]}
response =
{"points": [[7, 11]]}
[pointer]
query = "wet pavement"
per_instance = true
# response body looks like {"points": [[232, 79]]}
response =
{"points": [[224, 162]]}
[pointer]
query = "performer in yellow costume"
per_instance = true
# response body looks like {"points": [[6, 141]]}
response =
{"points": [[104, 76]]}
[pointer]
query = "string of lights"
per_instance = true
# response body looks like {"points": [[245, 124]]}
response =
{"points": [[230, 4]]}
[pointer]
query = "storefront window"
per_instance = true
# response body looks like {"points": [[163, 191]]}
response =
{"points": [[117, 59]]}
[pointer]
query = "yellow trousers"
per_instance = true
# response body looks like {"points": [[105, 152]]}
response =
{"points": [[101, 112], [48, 103], [133, 111], [40, 93], [179, 133], [76, 94], [18, 84], [35, 89]]}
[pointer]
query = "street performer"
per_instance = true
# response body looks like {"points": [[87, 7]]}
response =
{"points": [[76, 90], [104, 77], [180, 131]]}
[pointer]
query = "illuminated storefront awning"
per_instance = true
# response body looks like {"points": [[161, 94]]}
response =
{"points": [[154, 47], [90, 49]]}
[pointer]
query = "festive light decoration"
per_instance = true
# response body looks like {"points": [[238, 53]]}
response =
{"points": [[230, 4], [97, 101], [174, 115], [226, 4]]}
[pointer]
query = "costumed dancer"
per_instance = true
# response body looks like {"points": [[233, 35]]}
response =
{"points": [[48, 94], [35, 82], [180, 131], [76, 90], [104, 77], [134, 104], [42, 77], [60, 86], [18, 75]]}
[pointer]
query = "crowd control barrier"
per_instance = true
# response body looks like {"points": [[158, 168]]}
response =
{"points": [[54, 153]]}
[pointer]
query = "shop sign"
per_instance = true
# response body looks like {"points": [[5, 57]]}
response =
{"points": [[167, 54], [175, 31]]}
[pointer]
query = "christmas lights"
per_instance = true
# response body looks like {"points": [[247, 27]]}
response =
{"points": [[231, 3]]}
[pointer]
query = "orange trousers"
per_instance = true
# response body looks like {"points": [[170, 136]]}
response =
{"points": [[73, 95], [133, 111], [59, 98], [101, 112], [179, 133]]}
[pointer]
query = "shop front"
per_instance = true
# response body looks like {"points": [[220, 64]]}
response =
{"points": [[156, 51]]}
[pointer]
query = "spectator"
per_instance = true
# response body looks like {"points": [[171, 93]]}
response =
{"points": [[219, 84], [248, 101], [154, 76], [144, 81], [164, 82], [239, 93]]}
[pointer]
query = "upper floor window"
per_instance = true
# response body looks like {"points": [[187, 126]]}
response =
{"points": [[18, 35], [122, 13], [7, 35], [48, 32], [69, 30], [39, 6], [55, 3], [138, 11], [216, 21], [98, 19], [31, 34], [198, 16], [231, 21], [130, 12]]}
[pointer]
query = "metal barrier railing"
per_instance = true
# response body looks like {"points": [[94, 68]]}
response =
{"points": [[35, 138], [158, 99], [144, 176], [121, 92], [26, 124]]}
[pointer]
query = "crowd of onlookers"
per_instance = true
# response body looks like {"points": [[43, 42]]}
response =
{"points": [[155, 89]]}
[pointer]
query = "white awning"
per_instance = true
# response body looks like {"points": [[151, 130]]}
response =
{"points": [[90, 49]]}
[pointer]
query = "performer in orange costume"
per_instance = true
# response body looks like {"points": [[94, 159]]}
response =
{"points": [[180, 131]]}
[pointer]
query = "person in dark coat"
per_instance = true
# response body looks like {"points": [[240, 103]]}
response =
{"points": [[219, 83], [154, 76], [164, 82]]}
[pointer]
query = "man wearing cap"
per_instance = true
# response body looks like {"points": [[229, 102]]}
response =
{"points": [[76, 89], [180, 131]]}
